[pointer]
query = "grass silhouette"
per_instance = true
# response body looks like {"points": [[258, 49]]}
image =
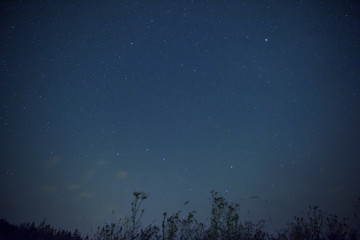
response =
{"points": [[224, 223]]}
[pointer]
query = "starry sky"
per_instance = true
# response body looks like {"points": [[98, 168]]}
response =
{"points": [[258, 100]]}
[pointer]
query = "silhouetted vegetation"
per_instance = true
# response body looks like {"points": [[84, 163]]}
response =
{"points": [[28, 231], [225, 223]]}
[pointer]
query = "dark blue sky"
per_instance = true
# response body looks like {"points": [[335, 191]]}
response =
{"points": [[178, 98]]}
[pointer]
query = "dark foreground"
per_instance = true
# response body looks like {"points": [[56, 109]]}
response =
{"points": [[224, 224]]}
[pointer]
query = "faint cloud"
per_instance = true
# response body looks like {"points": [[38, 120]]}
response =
{"points": [[49, 188], [74, 187], [85, 195], [90, 174], [122, 175], [53, 162], [102, 162]]}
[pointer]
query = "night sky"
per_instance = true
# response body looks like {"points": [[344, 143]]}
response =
{"points": [[99, 99]]}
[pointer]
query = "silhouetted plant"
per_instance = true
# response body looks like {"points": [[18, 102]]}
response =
{"points": [[335, 229], [356, 231], [150, 232], [190, 228], [224, 218], [129, 227], [28, 231], [170, 226], [224, 224], [135, 218], [317, 226], [254, 231]]}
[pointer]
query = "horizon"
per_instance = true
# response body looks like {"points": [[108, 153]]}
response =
{"points": [[352, 222], [324, 222]]}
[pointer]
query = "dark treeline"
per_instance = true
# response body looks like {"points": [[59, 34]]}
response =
{"points": [[224, 223]]}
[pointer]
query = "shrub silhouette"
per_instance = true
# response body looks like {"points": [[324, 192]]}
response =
{"points": [[31, 232], [318, 226], [129, 227], [224, 223]]}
